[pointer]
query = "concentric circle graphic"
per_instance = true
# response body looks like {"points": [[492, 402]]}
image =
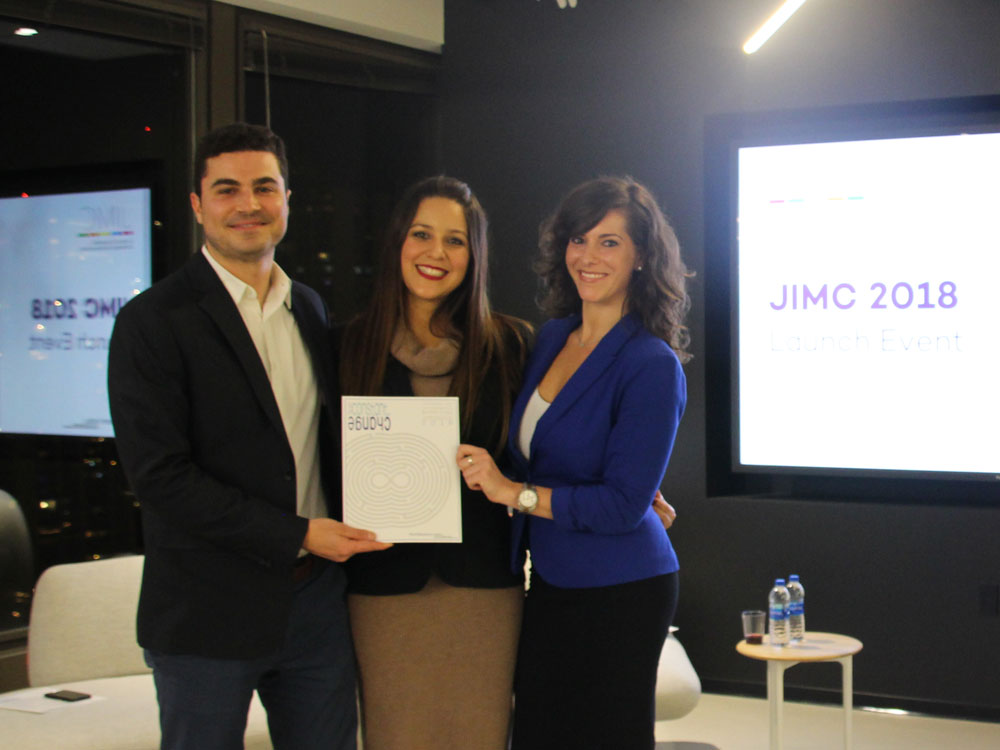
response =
{"points": [[396, 480]]}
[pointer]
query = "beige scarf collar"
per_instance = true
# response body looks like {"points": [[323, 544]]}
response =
{"points": [[431, 367]]}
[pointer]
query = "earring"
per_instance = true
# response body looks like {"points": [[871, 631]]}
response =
{"points": [[638, 268]]}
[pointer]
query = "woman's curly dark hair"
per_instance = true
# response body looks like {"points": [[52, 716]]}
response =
{"points": [[656, 293]]}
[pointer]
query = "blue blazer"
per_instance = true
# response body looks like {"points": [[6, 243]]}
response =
{"points": [[602, 446]]}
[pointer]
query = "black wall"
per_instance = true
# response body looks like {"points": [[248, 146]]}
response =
{"points": [[536, 99]]}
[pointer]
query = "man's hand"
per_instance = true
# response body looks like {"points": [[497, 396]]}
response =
{"points": [[337, 541], [664, 510]]}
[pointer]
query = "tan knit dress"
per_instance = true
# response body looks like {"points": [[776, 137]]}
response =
{"points": [[436, 667]]}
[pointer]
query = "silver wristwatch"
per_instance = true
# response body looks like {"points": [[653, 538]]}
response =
{"points": [[527, 499]]}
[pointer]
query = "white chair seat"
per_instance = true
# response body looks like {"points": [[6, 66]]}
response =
{"points": [[82, 637]]}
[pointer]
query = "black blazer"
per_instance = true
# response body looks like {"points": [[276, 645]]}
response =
{"points": [[482, 560], [203, 446]]}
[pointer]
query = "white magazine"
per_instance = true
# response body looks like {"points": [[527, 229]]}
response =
{"points": [[400, 478]]}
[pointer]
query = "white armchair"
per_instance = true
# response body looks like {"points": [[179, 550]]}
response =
{"points": [[81, 637], [678, 688]]}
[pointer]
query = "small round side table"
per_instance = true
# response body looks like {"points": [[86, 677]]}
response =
{"points": [[815, 647]]}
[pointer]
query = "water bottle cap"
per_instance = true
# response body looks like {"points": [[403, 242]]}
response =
{"points": [[779, 581], [793, 577]]}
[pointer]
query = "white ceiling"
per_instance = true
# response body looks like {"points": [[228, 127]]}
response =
{"points": [[412, 23]]}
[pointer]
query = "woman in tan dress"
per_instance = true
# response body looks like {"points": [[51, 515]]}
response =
{"points": [[435, 625]]}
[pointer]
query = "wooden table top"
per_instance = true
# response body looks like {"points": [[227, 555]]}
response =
{"points": [[815, 647]]}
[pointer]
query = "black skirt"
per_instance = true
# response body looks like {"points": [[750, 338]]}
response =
{"points": [[586, 666]]}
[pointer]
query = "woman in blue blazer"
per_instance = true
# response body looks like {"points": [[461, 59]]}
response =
{"points": [[590, 437]]}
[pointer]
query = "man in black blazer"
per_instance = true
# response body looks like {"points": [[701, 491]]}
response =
{"points": [[223, 395]]}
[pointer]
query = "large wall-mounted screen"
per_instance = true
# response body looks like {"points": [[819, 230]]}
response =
{"points": [[68, 262], [867, 305], [851, 306]]}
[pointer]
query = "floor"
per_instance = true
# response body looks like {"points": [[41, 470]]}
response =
{"points": [[723, 722]]}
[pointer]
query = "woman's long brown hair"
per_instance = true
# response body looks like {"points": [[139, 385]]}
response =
{"points": [[485, 338]]}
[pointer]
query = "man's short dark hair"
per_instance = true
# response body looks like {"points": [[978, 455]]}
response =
{"points": [[237, 137]]}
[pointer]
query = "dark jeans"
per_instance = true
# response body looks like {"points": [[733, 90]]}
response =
{"points": [[308, 689]]}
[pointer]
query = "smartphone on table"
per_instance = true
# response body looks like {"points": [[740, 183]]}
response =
{"points": [[68, 695]]}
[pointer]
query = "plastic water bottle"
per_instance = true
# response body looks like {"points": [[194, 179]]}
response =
{"points": [[796, 609], [777, 606]]}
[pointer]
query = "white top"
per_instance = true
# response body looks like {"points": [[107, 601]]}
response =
{"points": [[536, 407], [289, 368]]}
